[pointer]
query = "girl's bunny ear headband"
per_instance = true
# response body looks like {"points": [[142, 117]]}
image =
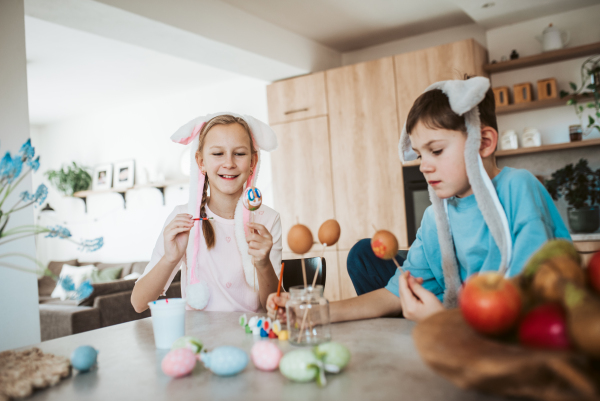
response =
{"points": [[263, 138], [464, 96]]}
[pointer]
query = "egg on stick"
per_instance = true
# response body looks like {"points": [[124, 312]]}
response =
{"points": [[252, 199], [385, 246], [300, 240]]}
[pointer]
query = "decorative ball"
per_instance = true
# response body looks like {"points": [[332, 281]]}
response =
{"points": [[188, 342], [252, 198], [299, 365], [178, 362], [225, 361], [197, 295], [384, 244], [265, 355], [335, 354], [83, 358], [300, 239], [329, 232]]}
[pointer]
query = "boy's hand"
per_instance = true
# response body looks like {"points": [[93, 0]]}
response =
{"points": [[417, 302], [272, 301], [260, 243]]}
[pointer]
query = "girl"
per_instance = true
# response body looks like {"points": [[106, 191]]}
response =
{"points": [[228, 264]]}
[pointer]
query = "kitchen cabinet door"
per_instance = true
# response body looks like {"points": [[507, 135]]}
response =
{"points": [[302, 182], [367, 173], [297, 98], [415, 71]]}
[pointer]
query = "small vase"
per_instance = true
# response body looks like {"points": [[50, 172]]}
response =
{"points": [[584, 220]]}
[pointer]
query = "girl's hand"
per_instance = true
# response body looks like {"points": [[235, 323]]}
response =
{"points": [[260, 243], [417, 302], [280, 301], [177, 234]]}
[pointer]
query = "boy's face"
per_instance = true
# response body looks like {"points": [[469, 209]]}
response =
{"points": [[442, 154]]}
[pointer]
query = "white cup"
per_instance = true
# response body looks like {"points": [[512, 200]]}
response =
{"points": [[168, 321]]}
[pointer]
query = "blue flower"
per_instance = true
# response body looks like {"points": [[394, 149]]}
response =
{"points": [[84, 290], [10, 167], [40, 195], [27, 151], [91, 245], [26, 196], [34, 164], [67, 283], [6, 165], [58, 231]]}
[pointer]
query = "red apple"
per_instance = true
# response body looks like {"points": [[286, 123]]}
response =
{"points": [[545, 327], [490, 303], [594, 272]]}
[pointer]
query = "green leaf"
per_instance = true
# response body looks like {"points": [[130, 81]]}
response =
{"points": [[591, 120], [573, 86], [580, 108], [591, 105], [591, 87], [570, 102], [563, 93], [598, 114]]}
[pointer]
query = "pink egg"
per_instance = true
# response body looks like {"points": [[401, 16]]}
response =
{"points": [[179, 362], [265, 355]]}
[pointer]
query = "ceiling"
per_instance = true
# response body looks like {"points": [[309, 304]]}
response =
{"points": [[71, 72]]}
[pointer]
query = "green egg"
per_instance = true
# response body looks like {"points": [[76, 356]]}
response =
{"points": [[333, 354], [299, 365]]}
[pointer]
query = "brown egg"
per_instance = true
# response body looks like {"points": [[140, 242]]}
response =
{"points": [[329, 232], [384, 244], [300, 239]]}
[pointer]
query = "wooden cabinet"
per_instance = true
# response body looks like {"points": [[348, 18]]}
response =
{"points": [[297, 99], [415, 71], [338, 135], [367, 172]]}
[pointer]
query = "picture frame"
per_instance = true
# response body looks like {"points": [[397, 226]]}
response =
{"points": [[124, 174], [103, 176]]}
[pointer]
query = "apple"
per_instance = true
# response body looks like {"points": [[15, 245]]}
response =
{"points": [[545, 327], [594, 272], [490, 303]]}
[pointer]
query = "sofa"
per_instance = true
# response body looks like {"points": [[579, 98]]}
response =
{"points": [[109, 303]]}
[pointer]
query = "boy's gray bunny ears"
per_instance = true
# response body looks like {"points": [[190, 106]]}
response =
{"points": [[263, 135], [463, 96]]}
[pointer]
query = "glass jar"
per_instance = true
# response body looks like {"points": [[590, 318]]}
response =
{"points": [[575, 132], [307, 316]]}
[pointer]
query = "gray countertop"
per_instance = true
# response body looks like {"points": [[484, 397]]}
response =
{"points": [[385, 365]]}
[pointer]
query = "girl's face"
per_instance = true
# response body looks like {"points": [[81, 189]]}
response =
{"points": [[442, 154], [226, 158]]}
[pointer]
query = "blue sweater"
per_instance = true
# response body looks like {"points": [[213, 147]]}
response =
{"points": [[532, 218]]}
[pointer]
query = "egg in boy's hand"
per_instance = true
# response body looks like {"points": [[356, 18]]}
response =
{"points": [[276, 306]]}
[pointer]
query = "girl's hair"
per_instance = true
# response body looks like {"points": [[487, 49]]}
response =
{"points": [[432, 109], [225, 119]]}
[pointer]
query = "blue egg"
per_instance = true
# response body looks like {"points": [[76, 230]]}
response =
{"points": [[83, 358], [225, 361]]}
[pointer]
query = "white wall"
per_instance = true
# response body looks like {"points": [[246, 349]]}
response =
{"points": [[140, 132], [19, 315]]}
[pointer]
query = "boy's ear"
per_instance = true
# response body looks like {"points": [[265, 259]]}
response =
{"points": [[489, 141]]}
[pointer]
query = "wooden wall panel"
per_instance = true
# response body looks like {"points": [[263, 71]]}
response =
{"points": [[367, 173], [302, 182], [297, 98], [346, 287]]}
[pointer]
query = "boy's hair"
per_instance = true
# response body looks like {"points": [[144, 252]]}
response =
{"points": [[433, 110]]}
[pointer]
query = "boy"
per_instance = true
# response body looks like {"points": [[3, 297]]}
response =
{"points": [[482, 218]]}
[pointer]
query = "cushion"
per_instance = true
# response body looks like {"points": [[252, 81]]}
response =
{"points": [[106, 275], [139, 267], [77, 274], [132, 276], [125, 267], [46, 284]]}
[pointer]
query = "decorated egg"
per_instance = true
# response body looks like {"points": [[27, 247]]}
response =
{"points": [[178, 362], [300, 239], [225, 360], [252, 198], [83, 358], [334, 354], [329, 232], [300, 365], [266, 324], [253, 321], [265, 355], [384, 244], [189, 342], [277, 326], [243, 320], [283, 335]]}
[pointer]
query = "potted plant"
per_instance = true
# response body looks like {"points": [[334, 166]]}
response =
{"points": [[590, 72], [70, 179], [580, 186]]}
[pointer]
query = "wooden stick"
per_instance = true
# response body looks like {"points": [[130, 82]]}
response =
{"points": [[397, 264], [303, 270], [302, 326], [313, 287], [279, 287], [251, 232]]}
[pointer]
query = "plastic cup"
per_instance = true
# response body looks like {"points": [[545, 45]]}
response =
{"points": [[168, 321]]}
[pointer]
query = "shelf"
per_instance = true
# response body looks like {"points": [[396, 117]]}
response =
{"points": [[121, 191], [544, 58], [548, 148], [539, 104]]}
